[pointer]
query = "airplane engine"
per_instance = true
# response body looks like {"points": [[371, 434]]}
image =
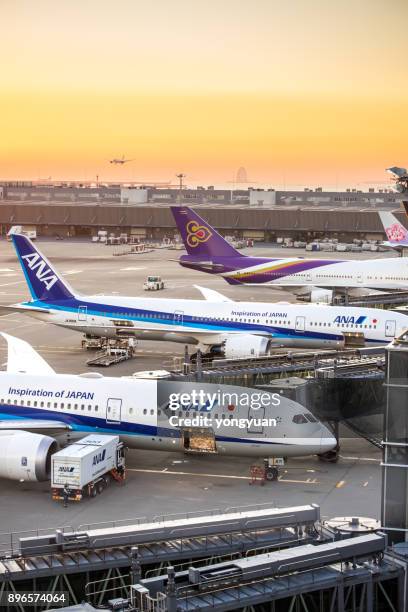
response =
{"points": [[245, 345], [321, 296], [26, 456]]}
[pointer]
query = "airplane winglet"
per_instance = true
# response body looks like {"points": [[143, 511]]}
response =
{"points": [[211, 295], [23, 359]]}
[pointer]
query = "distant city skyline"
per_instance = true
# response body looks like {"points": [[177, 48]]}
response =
{"points": [[309, 93]]}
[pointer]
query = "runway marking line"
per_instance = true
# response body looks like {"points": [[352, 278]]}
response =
{"points": [[340, 484], [231, 477]]}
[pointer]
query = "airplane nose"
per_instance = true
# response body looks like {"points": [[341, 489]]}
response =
{"points": [[327, 440]]}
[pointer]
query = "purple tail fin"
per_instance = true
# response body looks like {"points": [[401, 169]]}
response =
{"points": [[199, 237], [43, 281]]}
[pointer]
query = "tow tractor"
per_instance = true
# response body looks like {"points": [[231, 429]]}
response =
{"points": [[153, 283]]}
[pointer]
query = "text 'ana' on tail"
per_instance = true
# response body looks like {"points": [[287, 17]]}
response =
{"points": [[42, 279]]}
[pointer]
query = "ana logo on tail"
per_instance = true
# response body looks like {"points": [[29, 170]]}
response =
{"points": [[42, 271], [196, 234]]}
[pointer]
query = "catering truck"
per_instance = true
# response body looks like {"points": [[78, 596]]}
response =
{"points": [[86, 467]]}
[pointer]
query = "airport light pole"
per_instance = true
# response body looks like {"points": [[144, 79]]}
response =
{"points": [[180, 177]]}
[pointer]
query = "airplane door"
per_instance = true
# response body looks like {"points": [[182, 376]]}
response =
{"points": [[113, 410], [82, 313], [178, 317], [255, 414], [390, 329], [300, 324]]}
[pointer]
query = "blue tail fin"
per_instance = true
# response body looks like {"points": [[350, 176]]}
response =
{"points": [[43, 281]]}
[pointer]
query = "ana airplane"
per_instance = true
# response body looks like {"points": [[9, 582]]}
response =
{"points": [[120, 160], [208, 251], [40, 409], [395, 231], [216, 324]]}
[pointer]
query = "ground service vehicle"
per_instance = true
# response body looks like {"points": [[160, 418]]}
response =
{"points": [[153, 283], [86, 467]]}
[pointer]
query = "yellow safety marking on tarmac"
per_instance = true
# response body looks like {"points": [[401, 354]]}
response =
{"points": [[340, 484], [6, 269], [360, 458], [131, 269], [228, 476]]}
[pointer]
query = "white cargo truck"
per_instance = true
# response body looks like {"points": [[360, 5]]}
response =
{"points": [[86, 467]]}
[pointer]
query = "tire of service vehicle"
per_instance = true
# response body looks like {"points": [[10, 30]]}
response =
{"points": [[271, 473], [92, 492]]}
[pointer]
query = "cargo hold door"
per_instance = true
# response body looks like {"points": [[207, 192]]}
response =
{"points": [[113, 410]]}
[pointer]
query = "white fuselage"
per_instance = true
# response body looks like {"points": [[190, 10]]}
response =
{"points": [[139, 411], [210, 323], [385, 273]]}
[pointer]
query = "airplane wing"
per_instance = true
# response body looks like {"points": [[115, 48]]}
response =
{"points": [[50, 428], [23, 359], [212, 296]]}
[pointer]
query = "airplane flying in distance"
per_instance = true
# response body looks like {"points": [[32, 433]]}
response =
{"points": [[216, 325], [40, 409], [208, 251], [120, 160], [395, 231]]}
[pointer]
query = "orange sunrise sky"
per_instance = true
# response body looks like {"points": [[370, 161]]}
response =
{"points": [[301, 92]]}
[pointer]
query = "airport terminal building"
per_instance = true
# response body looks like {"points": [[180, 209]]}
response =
{"points": [[76, 209]]}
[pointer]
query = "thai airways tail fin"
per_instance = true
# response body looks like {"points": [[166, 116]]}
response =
{"points": [[199, 237], [42, 279], [397, 234]]}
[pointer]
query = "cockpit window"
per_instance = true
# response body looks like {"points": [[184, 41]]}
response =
{"points": [[299, 418], [310, 417]]}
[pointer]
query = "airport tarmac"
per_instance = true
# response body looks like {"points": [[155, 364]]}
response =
{"points": [[162, 483]]}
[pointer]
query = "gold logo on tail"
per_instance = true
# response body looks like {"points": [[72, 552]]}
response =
{"points": [[196, 234]]}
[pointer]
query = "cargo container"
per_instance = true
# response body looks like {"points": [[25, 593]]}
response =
{"points": [[86, 467]]}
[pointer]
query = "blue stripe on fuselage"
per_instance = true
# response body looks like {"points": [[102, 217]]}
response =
{"points": [[142, 315], [85, 423]]}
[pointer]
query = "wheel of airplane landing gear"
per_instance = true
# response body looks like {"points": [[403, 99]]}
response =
{"points": [[331, 456], [271, 473]]}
